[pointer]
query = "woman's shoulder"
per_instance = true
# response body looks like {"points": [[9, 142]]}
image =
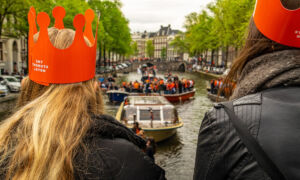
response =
{"points": [[108, 127], [116, 159]]}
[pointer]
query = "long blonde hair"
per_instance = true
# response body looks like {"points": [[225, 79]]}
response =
{"points": [[40, 140]]}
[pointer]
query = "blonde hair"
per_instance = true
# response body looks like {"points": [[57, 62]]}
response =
{"points": [[40, 140]]}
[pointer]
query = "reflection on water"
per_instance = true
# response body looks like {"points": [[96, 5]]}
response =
{"points": [[177, 154]]}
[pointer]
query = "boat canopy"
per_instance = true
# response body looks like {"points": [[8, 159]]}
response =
{"points": [[148, 100], [140, 107]]}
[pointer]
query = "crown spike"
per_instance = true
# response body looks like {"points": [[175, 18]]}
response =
{"points": [[79, 22], [59, 13], [31, 20], [43, 20], [88, 32]]}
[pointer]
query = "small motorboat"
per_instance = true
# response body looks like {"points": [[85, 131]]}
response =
{"points": [[116, 96], [216, 98], [155, 115], [174, 98]]}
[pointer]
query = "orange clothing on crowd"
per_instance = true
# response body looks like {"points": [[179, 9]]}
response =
{"points": [[172, 85], [147, 81], [136, 85], [186, 84], [151, 86], [176, 85], [156, 87], [216, 83], [169, 86], [124, 84], [220, 83], [161, 82]]}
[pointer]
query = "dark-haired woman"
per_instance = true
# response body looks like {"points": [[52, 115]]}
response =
{"points": [[266, 101]]}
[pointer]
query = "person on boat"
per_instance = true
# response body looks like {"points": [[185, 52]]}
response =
{"points": [[216, 86], [130, 86], [171, 87], [124, 85], [59, 130], [155, 87], [150, 148], [161, 85], [212, 86], [186, 85], [148, 87], [180, 86], [136, 86], [256, 134], [136, 128]]}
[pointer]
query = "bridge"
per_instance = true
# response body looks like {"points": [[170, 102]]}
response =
{"points": [[163, 66]]}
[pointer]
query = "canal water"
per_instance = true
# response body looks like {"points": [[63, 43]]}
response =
{"points": [[177, 154]]}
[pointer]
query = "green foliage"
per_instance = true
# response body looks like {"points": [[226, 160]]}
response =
{"points": [[150, 49], [134, 47], [113, 31], [224, 24], [163, 53]]}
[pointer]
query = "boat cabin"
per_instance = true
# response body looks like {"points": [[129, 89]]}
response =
{"points": [[149, 111]]}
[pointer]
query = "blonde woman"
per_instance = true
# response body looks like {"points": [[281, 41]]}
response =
{"points": [[59, 132]]}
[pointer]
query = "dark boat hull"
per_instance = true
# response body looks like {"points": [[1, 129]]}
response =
{"points": [[116, 96]]}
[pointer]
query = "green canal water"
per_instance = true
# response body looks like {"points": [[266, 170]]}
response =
{"points": [[177, 154]]}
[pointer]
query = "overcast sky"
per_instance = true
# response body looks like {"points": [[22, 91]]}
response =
{"points": [[150, 14]]}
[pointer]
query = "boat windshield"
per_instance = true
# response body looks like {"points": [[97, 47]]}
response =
{"points": [[145, 115], [148, 100], [169, 114]]}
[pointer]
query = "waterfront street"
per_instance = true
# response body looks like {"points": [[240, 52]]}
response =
{"points": [[177, 154]]}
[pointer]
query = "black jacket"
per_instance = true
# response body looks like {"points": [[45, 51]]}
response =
{"points": [[272, 117], [114, 152]]}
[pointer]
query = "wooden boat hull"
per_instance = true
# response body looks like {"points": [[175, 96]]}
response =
{"points": [[162, 133], [216, 98], [173, 98]]}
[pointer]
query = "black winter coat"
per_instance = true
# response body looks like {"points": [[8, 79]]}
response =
{"points": [[272, 117], [113, 152]]}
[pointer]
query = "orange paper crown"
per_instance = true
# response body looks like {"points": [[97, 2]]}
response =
{"points": [[49, 65], [278, 23]]}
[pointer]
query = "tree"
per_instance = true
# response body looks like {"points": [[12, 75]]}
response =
{"points": [[163, 53], [114, 33], [150, 49], [179, 44], [223, 24], [135, 49], [10, 14]]}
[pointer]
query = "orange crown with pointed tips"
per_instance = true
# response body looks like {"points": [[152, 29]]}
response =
{"points": [[49, 65], [278, 23]]}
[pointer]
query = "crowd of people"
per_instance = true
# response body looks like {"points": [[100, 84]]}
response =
{"points": [[219, 86], [169, 85], [172, 85]]}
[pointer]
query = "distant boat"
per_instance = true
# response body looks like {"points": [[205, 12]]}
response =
{"points": [[174, 98], [216, 98], [116, 96], [155, 115]]}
